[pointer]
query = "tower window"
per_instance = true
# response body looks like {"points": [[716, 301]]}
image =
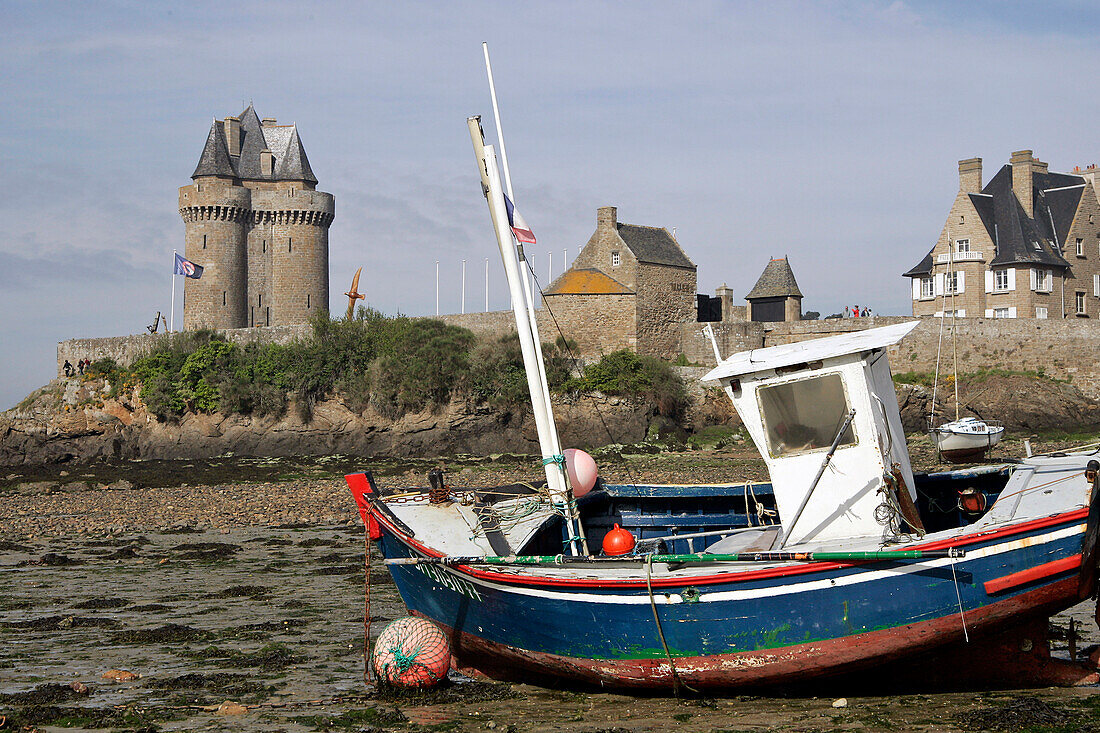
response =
{"points": [[268, 315], [260, 299], [290, 244], [264, 246], [223, 297], [307, 300], [204, 241]]}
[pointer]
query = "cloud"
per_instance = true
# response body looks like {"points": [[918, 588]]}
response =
{"points": [[826, 132]]}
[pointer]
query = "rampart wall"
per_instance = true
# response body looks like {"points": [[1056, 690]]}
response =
{"points": [[1063, 349]]}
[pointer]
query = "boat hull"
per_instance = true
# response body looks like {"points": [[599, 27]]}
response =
{"points": [[747, 628], [959, 447]]}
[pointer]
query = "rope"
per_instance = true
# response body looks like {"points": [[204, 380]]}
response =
{"points": [[962, 616], [366, 609], [677, 683], [557, 458]]}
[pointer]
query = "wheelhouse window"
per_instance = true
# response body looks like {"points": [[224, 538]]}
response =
{"points": [[804, 415]]}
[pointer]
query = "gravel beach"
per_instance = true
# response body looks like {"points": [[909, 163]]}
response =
{"points": [[237, 604]]}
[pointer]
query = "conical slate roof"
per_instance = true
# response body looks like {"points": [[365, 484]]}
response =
{"points": [[776, 281], [291, 163], [214, 160]]}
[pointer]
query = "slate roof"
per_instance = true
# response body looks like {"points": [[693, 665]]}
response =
{"points": [[1055, 200], [776, 281], [291, 163], [586, 281], [653, 245]]}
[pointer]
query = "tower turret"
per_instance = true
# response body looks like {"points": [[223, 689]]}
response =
{"points": [[256, 222]]}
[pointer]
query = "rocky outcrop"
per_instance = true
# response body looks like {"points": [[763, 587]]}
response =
{"points": [[77, 420]]}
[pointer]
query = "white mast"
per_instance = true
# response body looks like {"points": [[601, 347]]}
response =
{"points": [[528, 337]]}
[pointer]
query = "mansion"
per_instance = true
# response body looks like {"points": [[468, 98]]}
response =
{"points": [[1024, 245]]}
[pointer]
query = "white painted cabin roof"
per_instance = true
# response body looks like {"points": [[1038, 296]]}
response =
{"points": [[774, 357]]}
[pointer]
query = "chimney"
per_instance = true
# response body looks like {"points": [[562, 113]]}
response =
{"points": [[606, 218], [267, 163], [268, 122], [725, 294], [970, 175], [1021, 180], [233, 135]]}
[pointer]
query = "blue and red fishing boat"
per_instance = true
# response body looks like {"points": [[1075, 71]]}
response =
{"points": [[846, 560]]}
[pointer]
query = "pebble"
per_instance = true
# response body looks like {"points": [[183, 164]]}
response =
{"points": [[78, 687], [119, 675], [229, 707], [840, 702]]}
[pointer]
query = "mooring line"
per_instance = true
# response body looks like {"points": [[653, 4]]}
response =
{"points": [[962, 615]]}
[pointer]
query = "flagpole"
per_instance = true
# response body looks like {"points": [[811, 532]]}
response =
{"points": [[437, 287], [463, 286], [173, 292], [486, 284]]}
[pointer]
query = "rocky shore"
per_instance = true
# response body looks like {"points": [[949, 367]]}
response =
{"points": [[77, 420]]}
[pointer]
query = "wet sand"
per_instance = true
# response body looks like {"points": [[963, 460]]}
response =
{"points": [[208, 603]]}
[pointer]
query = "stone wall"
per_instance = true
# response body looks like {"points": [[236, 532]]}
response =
{"points": [[665, 300], [126, 349], [1062, 349]]}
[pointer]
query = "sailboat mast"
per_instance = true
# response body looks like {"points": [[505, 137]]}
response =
{"points": [[553, 461], [524, 266]]}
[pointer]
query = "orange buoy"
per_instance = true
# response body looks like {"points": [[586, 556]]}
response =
{"points": [[412, 652], [618, 541]]}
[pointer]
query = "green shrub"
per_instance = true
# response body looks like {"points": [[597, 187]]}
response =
{"points": [[626, 373]]}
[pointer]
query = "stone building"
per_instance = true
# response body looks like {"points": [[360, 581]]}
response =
{"points": [[631, 286], [1024, 245], [259, 227], [776, 296]]}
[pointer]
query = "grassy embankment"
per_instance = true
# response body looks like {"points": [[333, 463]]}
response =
{"points": [[395, 365]]}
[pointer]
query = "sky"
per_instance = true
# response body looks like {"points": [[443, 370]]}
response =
{"points": [[827, 132]]}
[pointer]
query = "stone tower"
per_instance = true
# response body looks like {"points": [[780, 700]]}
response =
{"points": [[258, 225]]}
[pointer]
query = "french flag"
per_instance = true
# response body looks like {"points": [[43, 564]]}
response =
{"points": [[519, 226]]}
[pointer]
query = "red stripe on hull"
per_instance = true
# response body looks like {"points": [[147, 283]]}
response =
{"points": [[1032, 575], [771, 666], [790, 570]]}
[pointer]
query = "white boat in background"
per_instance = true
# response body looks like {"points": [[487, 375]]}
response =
{"points": [[966, 439]]}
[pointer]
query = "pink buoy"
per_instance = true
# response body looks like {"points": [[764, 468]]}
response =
{"points": [[412, 652], [582, 471]]}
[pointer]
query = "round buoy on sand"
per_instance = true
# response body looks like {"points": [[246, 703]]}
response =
{"points": [[412, 652], [582, 471], [618, 541]]}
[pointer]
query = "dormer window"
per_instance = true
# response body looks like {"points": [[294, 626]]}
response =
{"points": [[616, 260], [1036, 246]]}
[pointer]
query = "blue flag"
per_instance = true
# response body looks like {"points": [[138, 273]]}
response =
{"points": [[187, 268]]}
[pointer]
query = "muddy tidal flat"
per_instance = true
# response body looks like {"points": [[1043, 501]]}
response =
{"points": [[229, 596]]}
